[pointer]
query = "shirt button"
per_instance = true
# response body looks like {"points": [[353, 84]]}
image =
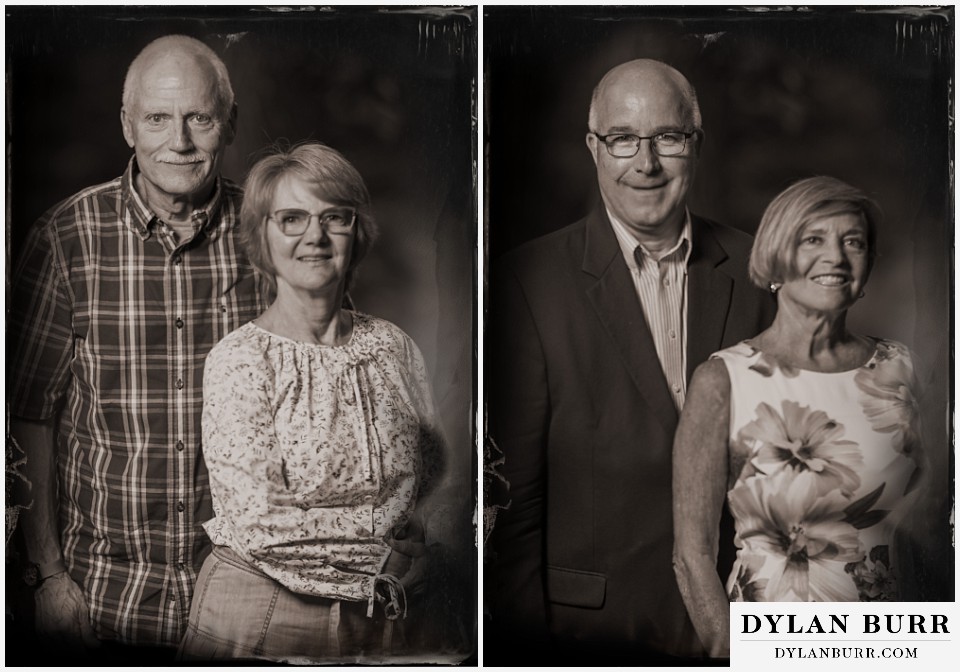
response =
{"points": [[172, 598], [180, 566], [179, 323], [676, 388], [180, 507], [179, 383], [667, 282], [177, 259], [672, 333], [179, 445]]}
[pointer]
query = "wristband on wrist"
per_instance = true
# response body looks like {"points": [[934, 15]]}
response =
{"points": [[35, 574]]}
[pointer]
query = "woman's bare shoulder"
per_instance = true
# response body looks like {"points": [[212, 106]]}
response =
{"points": [[711, 373]]}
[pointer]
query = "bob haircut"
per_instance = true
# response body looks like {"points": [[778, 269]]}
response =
{"points": [[774, 254], [333, 178]]}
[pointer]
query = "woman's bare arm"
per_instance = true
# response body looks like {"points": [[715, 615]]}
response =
{"points": [[700, 470]]}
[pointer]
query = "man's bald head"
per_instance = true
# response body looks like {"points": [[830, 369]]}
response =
{"points": [[644, 73], [184, 49]]}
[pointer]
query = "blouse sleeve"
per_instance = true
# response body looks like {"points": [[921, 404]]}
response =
{"points": [[254, 507], [433, 444]]}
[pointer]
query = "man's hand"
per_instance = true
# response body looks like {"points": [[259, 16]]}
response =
{"points": [[62, 616], [61, 613]]}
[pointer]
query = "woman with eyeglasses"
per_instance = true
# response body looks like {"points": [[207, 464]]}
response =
{"points": [[319, 435]]}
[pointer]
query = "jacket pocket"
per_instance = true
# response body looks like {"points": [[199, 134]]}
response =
{"points": [[576, 588]]}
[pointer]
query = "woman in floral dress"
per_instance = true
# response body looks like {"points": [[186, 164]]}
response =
{"points": [[809, 431], [319, 434]]}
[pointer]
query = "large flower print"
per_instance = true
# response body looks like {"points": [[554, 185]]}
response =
{"points": [[888, 400], [746, 587], [873, 577], [804, 440], [803, 535], [767, 366]]}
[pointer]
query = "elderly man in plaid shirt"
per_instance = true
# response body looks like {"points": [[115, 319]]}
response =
{"points": [[119, 293]]}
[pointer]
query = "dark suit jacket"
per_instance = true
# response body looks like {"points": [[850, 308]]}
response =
{"points": [[578, 404]]}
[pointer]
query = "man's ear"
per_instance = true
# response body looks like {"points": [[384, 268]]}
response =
{"points": [[231, 126], [592, 144], [127, 124], [699, 142]]}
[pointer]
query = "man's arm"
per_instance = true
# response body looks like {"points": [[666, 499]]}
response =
{"points": [[39, 492], [41, 327], [519, 412], [61, 610]]}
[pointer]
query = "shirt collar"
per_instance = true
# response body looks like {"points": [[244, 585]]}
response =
{"points": [[628, 244], [141, 219]]}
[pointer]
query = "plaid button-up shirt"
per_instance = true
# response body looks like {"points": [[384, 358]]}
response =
{"points": [[112, 321]]}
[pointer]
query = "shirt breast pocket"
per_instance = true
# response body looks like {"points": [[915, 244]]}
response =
{"points": [[239, 298]]}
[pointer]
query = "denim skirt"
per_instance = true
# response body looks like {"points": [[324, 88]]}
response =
{"points": [[240, 613]]}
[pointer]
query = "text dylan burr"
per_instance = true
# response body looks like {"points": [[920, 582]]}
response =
{"points": [[790, 624]]}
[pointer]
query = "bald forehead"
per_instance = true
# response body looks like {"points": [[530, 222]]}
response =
{"points": [[640, 81], [177, 64], [643, 67], [174, 74]]}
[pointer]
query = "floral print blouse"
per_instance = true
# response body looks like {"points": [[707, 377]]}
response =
{"points": [[823, 468], [317, 452]]}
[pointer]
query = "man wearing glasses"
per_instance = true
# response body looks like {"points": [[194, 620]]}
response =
{"points": [[595, 330]]}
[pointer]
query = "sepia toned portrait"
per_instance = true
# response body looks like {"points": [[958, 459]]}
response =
{"points": [[240, 320], [718, 339]]}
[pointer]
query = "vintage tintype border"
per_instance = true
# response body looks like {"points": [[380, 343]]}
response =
{"points": [[864, 94], [393, 88]]}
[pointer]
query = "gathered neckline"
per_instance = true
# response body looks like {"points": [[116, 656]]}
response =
{"points": [[357, 320]]}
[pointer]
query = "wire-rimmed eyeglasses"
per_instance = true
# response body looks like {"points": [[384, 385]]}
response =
{"points": [[294, 222], [625, 145]]}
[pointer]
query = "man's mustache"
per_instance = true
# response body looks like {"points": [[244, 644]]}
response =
{"points": [[181, 159]]}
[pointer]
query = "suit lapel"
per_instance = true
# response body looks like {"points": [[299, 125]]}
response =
{"points": [[708, 296], [615, 300]]}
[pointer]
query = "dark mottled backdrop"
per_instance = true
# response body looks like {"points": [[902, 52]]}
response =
{"points": [[393, 89], [864, 95]]}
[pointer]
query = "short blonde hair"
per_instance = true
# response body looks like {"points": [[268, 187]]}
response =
{"points": [[333, 177], [774, 254]]}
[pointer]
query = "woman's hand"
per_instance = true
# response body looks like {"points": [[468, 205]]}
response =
{"points": [[408, 561]]}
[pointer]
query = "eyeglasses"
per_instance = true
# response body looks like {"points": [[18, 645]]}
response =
{"points": [[294, 222], [625, 145]]}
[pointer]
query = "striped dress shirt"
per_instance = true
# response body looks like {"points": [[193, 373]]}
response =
{"points": [[661, 286], [112, 321]]}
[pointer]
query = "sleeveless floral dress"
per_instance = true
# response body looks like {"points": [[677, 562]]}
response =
{"points": [[825, 468]]}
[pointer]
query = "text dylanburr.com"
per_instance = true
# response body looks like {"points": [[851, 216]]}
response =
{"points": [[858, 635]]}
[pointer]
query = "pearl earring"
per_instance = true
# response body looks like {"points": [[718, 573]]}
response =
{"points": [[775, 287]]}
